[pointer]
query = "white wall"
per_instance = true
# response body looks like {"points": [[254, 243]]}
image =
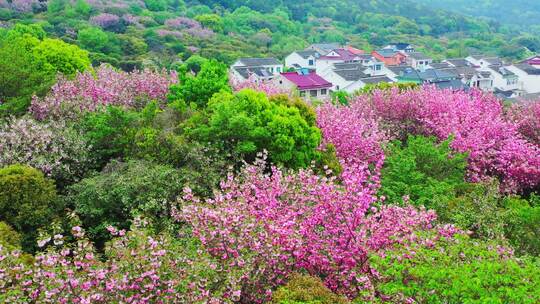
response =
{"points": [[528, 83]]}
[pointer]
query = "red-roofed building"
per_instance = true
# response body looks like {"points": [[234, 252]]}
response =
{"points": [[534, 61], [354, 50], [389, 57], [308, 84]]}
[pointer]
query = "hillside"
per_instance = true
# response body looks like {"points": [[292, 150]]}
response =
{"points": [[518, 12], [131, 34]]}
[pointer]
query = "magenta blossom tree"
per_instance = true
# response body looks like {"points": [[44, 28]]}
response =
{"points": [[88, 92], [268, 225]]}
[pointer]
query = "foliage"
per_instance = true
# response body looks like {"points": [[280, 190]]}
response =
{"points": [[27, 201], [522, 224], [247, 123], [121, 192], [60, 57], [305, 289], [55, 148], [422, 171], [458, 270], [384, 86], [198, 89], [9, 238], [109, 132]]}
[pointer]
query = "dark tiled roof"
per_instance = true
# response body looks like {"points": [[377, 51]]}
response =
{"points": [[347, 65], [458, 62], [305, 54], [441, 65], [343, 54], [502, 70], [351, 74], [453, 84], [255, 62], [418, 56], [398, 69], [247, 71], [386, 53], [375, 80], [494, 61], [527, 68]]}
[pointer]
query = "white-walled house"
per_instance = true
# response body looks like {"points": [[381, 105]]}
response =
{"points": [[344, 75], [418, 60], [260, 69], [302, 59], [256, 74], [308, 85], [482, 80], [503, 78], [529, 77], [324, 63], [324, 48], [271, 64]]}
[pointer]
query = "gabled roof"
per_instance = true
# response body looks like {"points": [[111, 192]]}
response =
{"points": [[342, 54], [398, 69], [347, 65], [354, 50], [502, 70], [484, 74], [440, 65], [400, 46], [527, 68], [387, 53], [418, 56], [452, 84], [307, 81], [326, 47], [494, 61], [458, 62], [351, 74], [307, 53], [429, 75], [376, 79], [255, 62], [248, 71]]}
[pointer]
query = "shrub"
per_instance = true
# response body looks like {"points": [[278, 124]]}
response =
{"points": [[306, 289], [457, 270], [426, 172], [9, 238], [121, 192], [522, 224], [27, 201], [247, 122]]}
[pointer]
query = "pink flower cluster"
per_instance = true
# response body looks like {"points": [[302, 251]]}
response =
{"points": [[105, 20], [475, 120], [526, 115], [268, 225], [88, 92], [180, 25], [139, 269]]}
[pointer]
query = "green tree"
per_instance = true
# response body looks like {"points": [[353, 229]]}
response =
{"points": [[93, 39], [305, 289], [457, 270], [428, 173], [199, 88], [246, 123], [27, 201], [57, 56], [211, 21], [125, 190], [9, 238]]}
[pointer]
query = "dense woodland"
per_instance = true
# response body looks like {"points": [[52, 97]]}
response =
{"points": [[133, 171], [134, 34]]}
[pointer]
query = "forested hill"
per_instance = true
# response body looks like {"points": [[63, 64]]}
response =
{"points": [[518, 12], [134, 34]]}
